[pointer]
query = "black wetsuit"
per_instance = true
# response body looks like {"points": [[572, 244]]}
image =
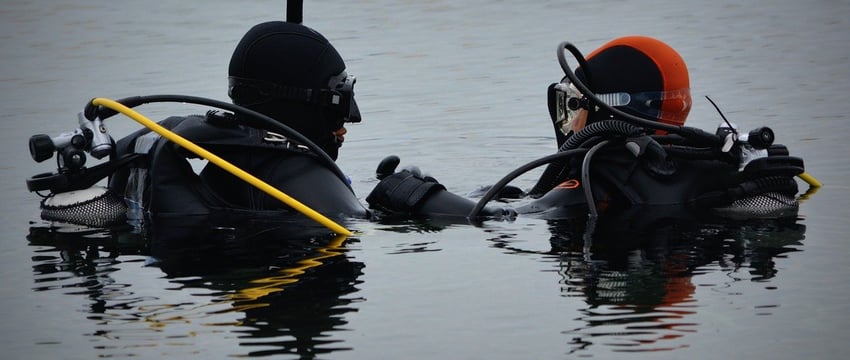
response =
{"points": [[170, 188]]}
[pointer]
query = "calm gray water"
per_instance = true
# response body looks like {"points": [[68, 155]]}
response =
{"points": [[457, 88]]}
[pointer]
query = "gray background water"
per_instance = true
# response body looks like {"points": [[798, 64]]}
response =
{"points": [[457, 88]]}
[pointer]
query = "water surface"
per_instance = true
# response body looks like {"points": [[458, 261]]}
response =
{"points": [[457, 88]]}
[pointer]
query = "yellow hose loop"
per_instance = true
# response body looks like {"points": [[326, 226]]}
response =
{"points": [[224, 164], [810, 180]]}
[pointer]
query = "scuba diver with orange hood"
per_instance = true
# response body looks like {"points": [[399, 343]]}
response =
{"points": [[622, 145]]}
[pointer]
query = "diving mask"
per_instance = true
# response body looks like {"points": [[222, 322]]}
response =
{"points": [[666, 106], [338, 96]]}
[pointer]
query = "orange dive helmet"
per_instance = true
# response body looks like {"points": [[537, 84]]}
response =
{"points": [[639, 75]]}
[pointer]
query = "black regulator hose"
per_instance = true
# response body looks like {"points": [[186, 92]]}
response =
{"points": [[601, 128], [582, 62], [585, 177], [696, 134], [496, 188], [249, 118], [556, 171]]}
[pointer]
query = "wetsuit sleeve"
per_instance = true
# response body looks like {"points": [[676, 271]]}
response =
{"points": [[404, 193]]}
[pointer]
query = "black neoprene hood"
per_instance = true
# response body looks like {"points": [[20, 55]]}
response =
{"points": [[293, 56], [286, 54]]}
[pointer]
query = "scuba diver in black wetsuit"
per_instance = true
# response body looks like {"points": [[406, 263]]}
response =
{"points": [[290, 73], [622, 146], [291, 99]]}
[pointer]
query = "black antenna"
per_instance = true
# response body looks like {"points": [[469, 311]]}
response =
{"points": [[721, 114], [295, 11]]}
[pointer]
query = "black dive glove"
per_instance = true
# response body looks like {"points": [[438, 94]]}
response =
{"points": [[401, 192]]}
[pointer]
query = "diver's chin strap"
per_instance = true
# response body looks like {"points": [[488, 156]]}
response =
{"points": [[78, 180]]}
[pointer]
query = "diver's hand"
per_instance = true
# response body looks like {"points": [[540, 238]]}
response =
{"points": [[402, 191], [387, 166]]}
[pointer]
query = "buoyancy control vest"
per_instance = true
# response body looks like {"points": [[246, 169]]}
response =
{"points": [[677, 175], [164, 184]]}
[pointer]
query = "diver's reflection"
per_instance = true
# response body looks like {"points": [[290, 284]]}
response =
{"points": [[635, 272], [278, 294]]}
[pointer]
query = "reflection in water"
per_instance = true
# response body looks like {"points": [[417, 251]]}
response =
{"points": [[270, 296], [636, 274]]}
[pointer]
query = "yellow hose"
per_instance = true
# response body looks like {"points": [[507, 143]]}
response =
{"points": [[810, 180], [224, 164]]}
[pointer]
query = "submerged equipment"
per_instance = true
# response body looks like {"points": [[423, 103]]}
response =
{"points": [[72, 175]]}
